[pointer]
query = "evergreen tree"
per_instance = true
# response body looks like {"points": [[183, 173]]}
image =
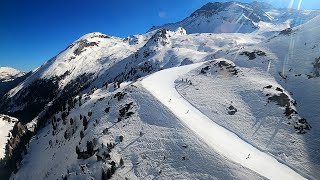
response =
{"points": [[77, 149], [121, 162], [80, 99], [90, 146], [104, 175], [81, 134], [121, 138], [113, 167], [109, 174], [85, 122]]}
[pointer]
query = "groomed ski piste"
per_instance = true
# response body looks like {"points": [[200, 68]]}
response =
{"points": [[162, 86]]}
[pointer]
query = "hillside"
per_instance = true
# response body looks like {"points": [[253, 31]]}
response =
{"points": [[9, 74], [238, 17], [226, 99], [6, 125]]}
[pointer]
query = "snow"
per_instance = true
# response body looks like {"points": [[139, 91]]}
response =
{"points": [[9, 74], [94, 59], [219, 144], [232, 17], [5, 128], [257, 121], [151, 134], [161, 85]]}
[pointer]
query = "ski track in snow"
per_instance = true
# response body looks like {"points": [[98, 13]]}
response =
{"points": [[161, 85]]}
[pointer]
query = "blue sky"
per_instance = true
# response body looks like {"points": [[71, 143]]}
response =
{"points": [[33, 31]]}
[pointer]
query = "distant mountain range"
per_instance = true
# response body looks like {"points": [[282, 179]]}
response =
{"points": [[10, 78], [237, 17], [9, 74]]}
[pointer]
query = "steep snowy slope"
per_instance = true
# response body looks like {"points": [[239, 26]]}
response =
{"points": [[6, 86], [54, 84], [6, 125], [293, 16], [161, 85], [66, 74], [268, 96], [293, 59], [127, 124], [10, 78], [104, 59], [85, 109], [222, 18], [254, 106], [231, 17], [91, 54]]}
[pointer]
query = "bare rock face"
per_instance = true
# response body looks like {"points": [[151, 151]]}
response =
{"points": [[282, 99]]}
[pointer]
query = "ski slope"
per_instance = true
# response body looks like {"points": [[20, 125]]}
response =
{"points": [[161, 85]]}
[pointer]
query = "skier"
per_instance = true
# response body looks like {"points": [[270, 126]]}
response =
{"points": [[248, 156]]}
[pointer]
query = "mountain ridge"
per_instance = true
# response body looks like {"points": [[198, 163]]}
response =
{"points": [[9, 74], [234, 16]]}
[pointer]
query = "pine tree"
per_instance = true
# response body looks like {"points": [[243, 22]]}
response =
{"points": [[109, 174], [113, 167], [121, 162], [77, 149], [80, 99], [120, 138], [81, 134], [85, 122], [104, 175], [90, 146]]}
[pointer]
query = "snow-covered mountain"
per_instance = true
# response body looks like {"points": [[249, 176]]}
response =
{"points": [[222, 18], [10, 78], [9, 74], [182, 101], [237, 17]]}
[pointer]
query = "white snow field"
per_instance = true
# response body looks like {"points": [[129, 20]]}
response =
{"points": [[154, 140], [253, 116], [231, 17], [5, 128], [161, 85]]}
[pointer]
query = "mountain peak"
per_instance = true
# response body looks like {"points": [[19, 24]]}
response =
{"points": [[223, 17], [93, 35], [252, 11], [212, 7]]}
